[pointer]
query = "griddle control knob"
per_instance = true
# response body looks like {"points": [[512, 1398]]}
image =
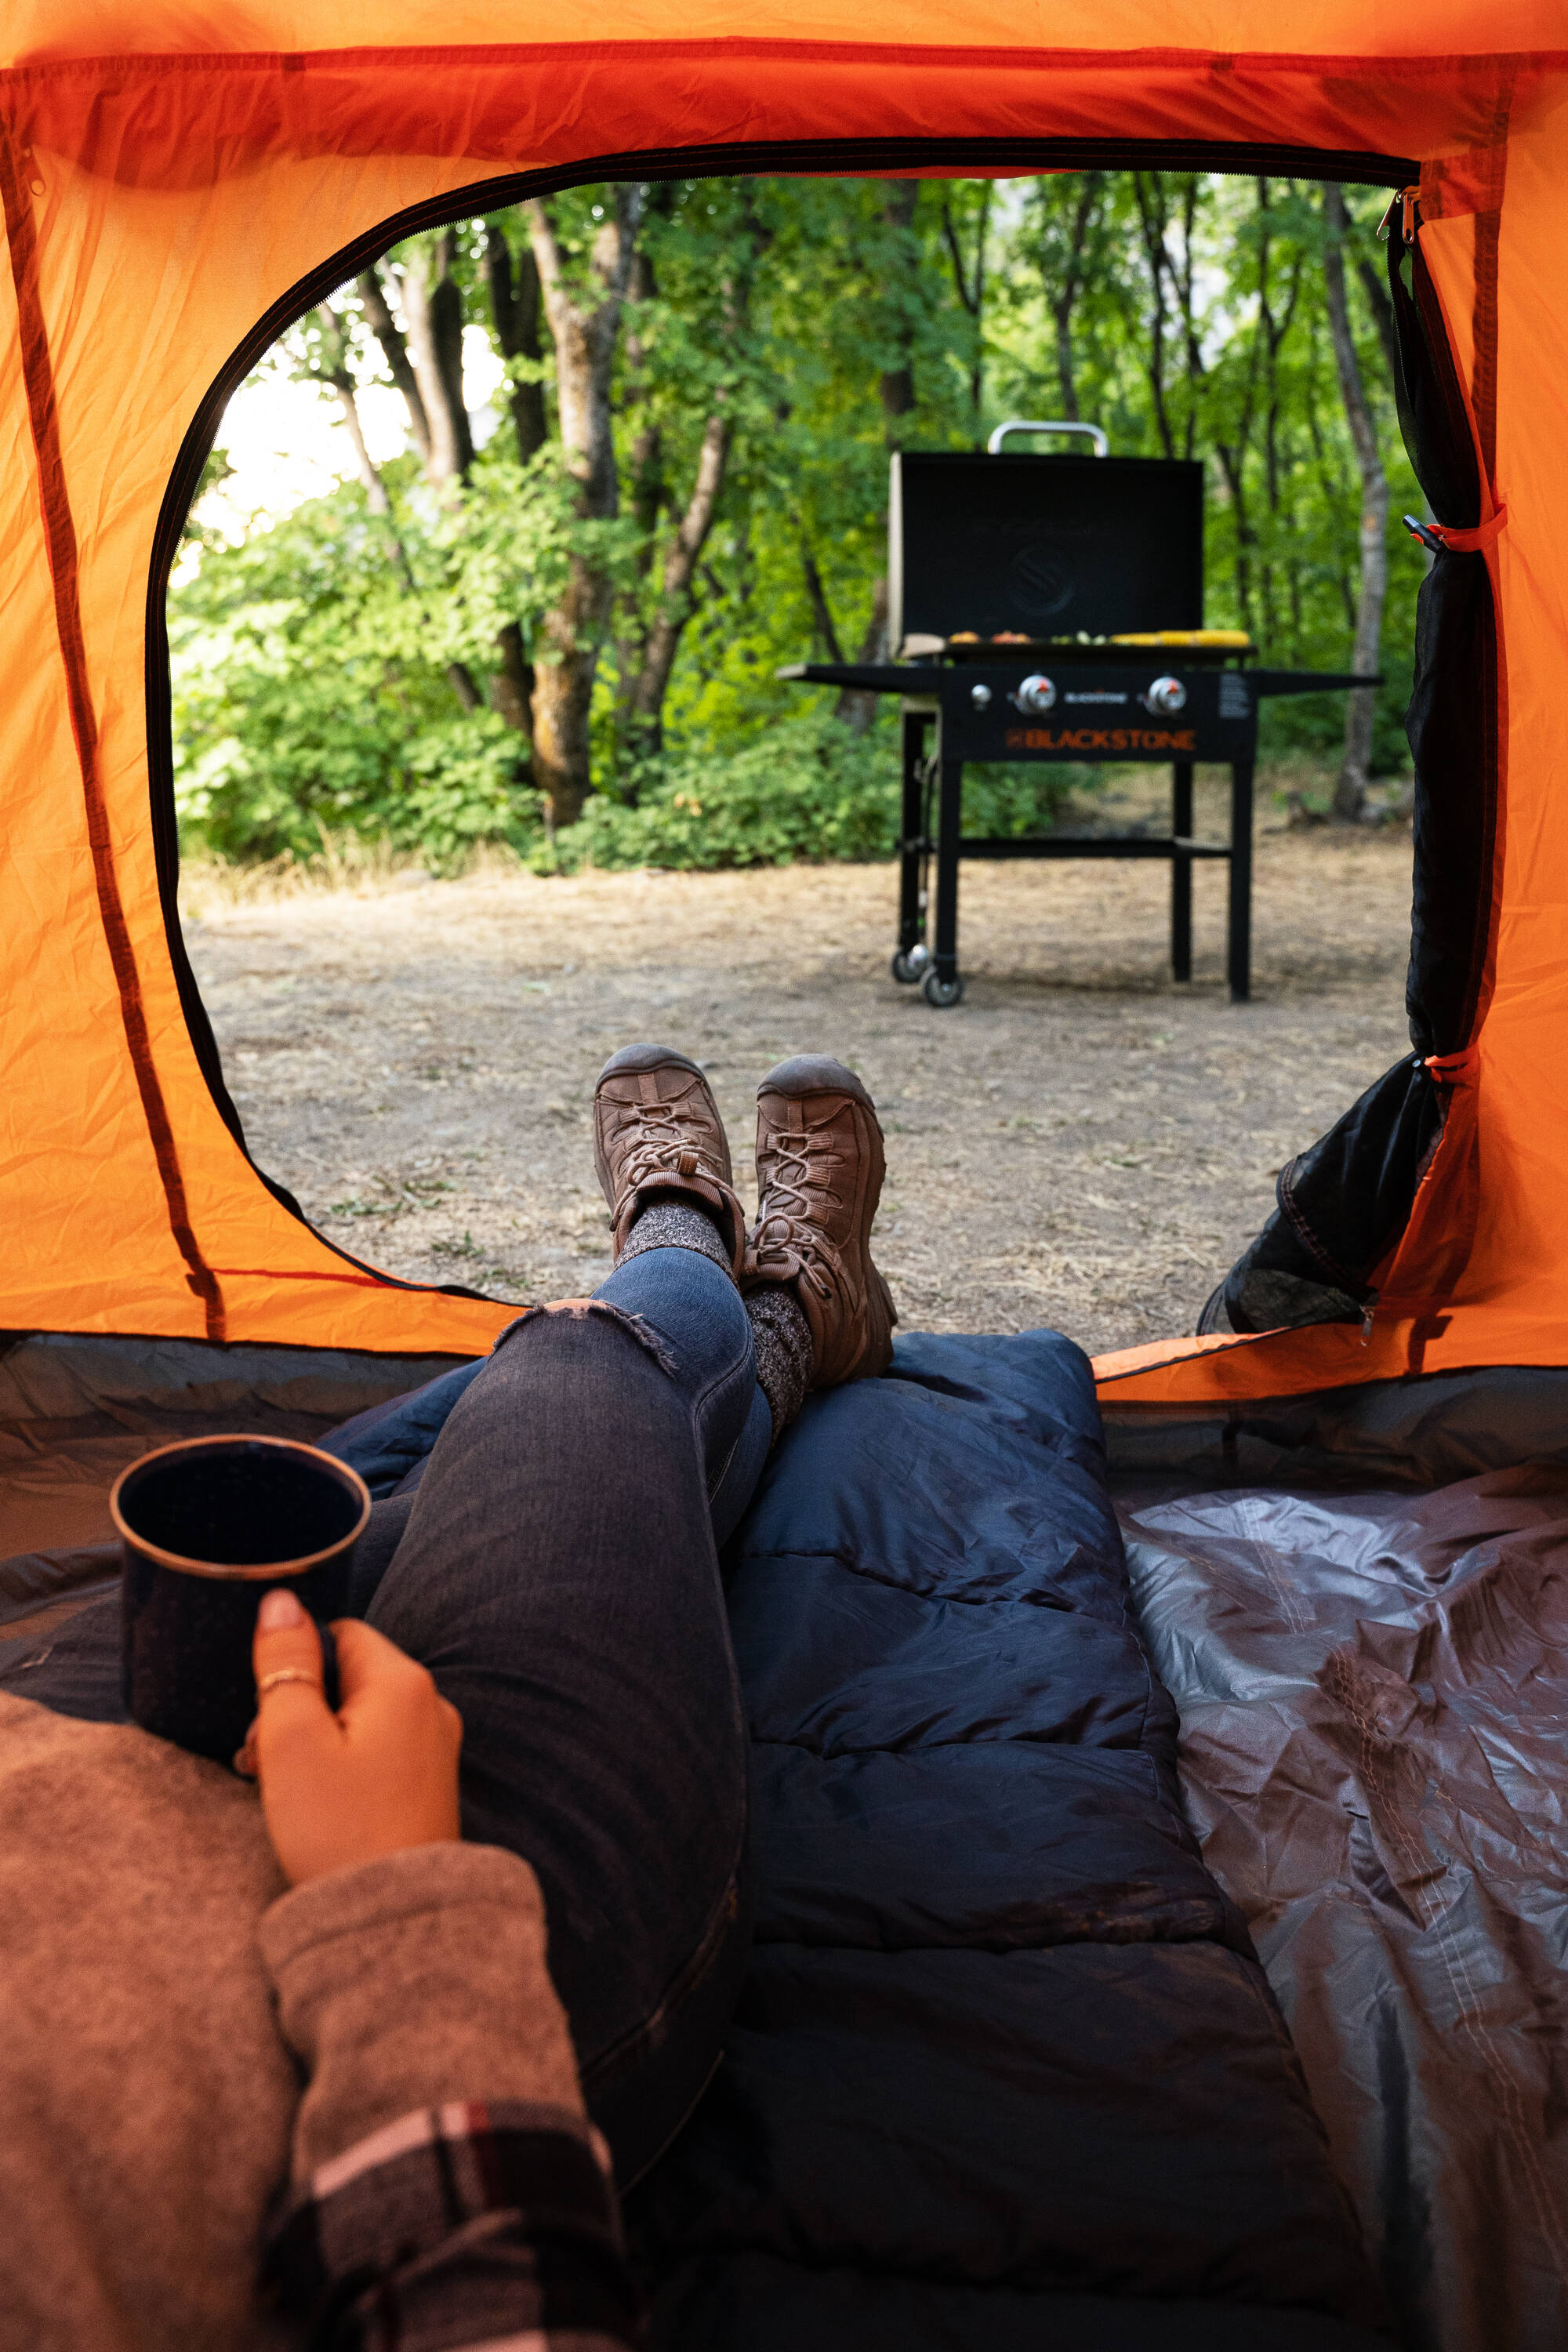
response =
{"points": [[981, 697], [1035, 696], [1165, 697]]}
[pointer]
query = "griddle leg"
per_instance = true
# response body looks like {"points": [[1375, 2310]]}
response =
{"points": [[1182, 873], [942, 985], [911, 847], [1239, 957]]}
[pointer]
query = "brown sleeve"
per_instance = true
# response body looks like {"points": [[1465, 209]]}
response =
{"points": [[411, 1981]]}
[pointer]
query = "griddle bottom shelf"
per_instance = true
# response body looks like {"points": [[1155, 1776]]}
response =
{"points": [[916, 964]]}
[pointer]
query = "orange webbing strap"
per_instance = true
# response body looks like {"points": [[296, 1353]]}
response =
{"points": [[1467, 542]]}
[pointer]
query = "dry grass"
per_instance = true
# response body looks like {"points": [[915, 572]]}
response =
{"points": [[1080, 1143], [346, 865]]}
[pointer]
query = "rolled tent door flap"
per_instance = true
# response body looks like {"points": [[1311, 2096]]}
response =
{"points": [[1344, 1204], [1473, 1259]]}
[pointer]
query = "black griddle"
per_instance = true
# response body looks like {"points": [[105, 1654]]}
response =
{"points": [[1064, 554]]}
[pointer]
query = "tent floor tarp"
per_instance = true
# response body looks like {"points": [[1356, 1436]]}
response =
{"points": [[1358, 1605], [75, 1410]]}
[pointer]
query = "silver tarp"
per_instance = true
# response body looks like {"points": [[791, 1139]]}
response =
{"points": [[1361, 1607]]}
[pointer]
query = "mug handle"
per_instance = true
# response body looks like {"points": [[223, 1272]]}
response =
{"points": [[331, 1688]]}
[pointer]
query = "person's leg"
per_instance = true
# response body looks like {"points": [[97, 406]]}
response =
{"points": [[558, 1575], [557, 1570], [672, 1288]]}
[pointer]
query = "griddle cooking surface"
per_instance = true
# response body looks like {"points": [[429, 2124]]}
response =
{"points": [[1064, 649]]}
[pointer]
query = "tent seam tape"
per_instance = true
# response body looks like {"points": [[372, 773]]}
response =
{"points": [[158, 65], [1484, 312], [59, 533]]}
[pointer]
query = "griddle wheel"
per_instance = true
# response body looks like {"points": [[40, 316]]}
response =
{"points": [[908, 967], [942, 994]]}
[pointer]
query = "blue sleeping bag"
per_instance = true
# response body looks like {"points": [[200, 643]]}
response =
{"points": [[1006, 2075]]}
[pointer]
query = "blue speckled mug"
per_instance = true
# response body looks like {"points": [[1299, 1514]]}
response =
{"points": [[206, 1527]]}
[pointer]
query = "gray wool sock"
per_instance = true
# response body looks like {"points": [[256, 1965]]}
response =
{"points": [[676, 1224], [782, 1338]]}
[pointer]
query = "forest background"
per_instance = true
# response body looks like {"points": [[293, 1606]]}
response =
{"points": [[553, 620]]}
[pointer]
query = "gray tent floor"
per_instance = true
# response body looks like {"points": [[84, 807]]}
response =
{"points": [[75, 1411], [1360, 1604]]}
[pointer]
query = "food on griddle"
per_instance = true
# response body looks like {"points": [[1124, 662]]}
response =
{"points": [[965, 637], [1235, 637]]}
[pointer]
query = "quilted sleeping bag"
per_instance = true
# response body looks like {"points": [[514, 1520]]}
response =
{"points": [[1006, 2073]]}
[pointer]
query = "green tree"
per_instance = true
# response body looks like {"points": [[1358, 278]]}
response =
{"points": [[573, 597]]}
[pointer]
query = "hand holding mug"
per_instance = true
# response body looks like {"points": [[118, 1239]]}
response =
{"points": [[377, 1776], [206, 1526]]}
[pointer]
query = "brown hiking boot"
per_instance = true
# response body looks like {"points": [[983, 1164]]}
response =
{"points": [[819, 1177], [657, 1130]]}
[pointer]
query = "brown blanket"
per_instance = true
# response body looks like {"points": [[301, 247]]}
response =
{"points": [[149, 2101]]}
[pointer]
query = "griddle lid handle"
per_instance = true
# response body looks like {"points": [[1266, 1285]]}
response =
{"points": [[1047, 425]]}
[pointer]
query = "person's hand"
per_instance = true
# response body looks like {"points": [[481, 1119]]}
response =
{"points": [[379, 1775]]}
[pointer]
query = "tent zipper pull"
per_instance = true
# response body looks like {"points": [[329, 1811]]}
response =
{"points": [[1408, 198]]}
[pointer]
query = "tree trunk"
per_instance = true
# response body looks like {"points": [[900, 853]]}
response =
{"points": [[1332, 483], [1350, 791], [584, 343], [1064, 302], [645, 463], [647, 496], [971, 297], [1233, 454], [1185, 284], [443, 372], [898, 383], [858, 710], [1232, 465], [1151, 219], [514, 307], [647, 704], [339, 376], [662, 640], [384, 327], [1273, 328], [433, 306], [513, 690], [1381, 309], [821, 610]]}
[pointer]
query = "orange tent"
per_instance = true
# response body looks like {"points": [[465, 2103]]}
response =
{"points": [[181, 180]]}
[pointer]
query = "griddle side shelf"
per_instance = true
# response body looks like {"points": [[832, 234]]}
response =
{"points": [[1101, 710]]}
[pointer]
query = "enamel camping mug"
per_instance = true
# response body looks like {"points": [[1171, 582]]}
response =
{"points": [[206, 1527]]}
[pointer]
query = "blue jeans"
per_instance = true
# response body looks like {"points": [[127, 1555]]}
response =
{"points": [[556, 1568], [559, 1576]]}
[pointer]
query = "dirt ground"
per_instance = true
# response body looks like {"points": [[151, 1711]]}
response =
{"points": [[1080, 1143]]}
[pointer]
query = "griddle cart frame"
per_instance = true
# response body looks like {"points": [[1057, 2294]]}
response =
{"points": [[1101, 710]]}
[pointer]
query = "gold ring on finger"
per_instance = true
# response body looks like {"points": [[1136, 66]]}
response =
{"points": [[287, 1674]]}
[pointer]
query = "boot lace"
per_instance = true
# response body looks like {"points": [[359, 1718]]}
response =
{"points": [[671, 1140], [799, 1188]]}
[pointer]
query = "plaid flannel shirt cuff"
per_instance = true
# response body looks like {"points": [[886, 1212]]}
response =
{"points": [[490, 2228]]}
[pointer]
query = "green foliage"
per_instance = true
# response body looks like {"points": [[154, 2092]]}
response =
{"points": [[324, 666], [805, 790], [310, 690]]}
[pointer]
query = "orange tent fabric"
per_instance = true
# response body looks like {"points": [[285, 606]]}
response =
{"points": [[176, 176]]}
